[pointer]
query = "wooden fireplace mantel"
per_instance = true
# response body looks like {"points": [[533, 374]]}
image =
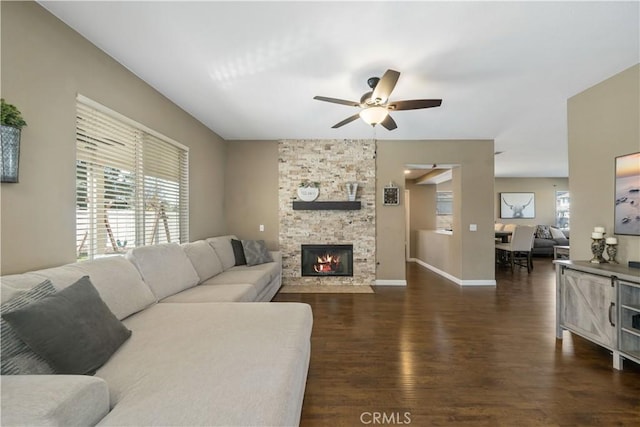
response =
{"points": [[327, 205]]}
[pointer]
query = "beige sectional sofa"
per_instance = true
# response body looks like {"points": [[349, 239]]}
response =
{"points": [[207, 348]]}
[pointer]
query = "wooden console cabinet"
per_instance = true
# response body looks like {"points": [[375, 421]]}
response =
{"points": [[599, 302]]}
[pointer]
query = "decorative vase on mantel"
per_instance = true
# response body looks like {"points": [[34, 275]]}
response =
{"points": [[308, 191], [352, 190]]}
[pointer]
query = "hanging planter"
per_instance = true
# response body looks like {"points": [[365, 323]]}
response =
{"points": [[11, 122]]}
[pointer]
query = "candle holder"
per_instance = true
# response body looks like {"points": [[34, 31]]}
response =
{"points": [[612, 251], [597, 249]]}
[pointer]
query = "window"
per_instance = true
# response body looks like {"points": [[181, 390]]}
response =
{"points": [[563, 202], [131, 184], [444, 210]]}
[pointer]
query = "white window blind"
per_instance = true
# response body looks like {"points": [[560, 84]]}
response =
{"points": [[131, 184]]}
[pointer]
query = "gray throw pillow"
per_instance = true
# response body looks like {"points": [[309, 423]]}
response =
{"points": [[543, 232], [73, 329], [238, 252], [255, 252], [17, 358]]}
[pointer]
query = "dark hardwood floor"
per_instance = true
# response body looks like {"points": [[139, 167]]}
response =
{"points": [[433, 353]]}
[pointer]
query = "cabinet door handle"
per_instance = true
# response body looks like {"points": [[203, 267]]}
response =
{"points": [[611, 307]]}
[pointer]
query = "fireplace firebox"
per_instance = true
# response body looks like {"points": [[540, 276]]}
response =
{"points": [[327, 260]]}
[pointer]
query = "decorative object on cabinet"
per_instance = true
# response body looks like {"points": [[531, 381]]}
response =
{"points": [[627, 193], [597, 245], [612, 249], [11, 122], [308, 191], [517, 205], [390, 195]]}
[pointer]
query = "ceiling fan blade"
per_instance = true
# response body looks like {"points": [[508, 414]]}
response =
{"points": [[337, 101], [389, 123], [345, 121], [414, 104], [385, 86]]}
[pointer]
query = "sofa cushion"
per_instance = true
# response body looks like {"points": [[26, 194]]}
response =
{"points": [[17, 357], [217, 293], [556, 233], [165, 268], [204, 259], [53, 400], [61, 277], [211, 364], [86, 332], [13, 285], [543, 232], [256, 252], [270, 269], [119, 284], [238, 252], [259, 279], [222, 246]]}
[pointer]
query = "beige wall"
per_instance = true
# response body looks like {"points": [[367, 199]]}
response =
{"points": [[603, 123], [45, 65], [545, 200], [473, 180], [251, 196], [436, 249], [476, 205]]}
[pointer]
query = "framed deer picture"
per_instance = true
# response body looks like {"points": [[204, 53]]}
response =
{"points": [[517, 205]]}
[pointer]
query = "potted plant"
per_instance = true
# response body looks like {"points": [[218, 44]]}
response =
{"points": [[11, 122], [308, 191]]}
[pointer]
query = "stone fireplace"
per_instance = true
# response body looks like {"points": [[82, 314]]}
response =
{"points": [[333, 164], [326, 260]]}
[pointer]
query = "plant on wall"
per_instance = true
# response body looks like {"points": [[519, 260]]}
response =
{"points": [[12, 122], [309, 184], [11, 116]]}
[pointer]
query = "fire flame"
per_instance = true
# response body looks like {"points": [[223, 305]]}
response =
{"points": [[327, 263]]}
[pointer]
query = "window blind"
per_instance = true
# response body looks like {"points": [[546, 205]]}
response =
{"points": [[131, 184]]}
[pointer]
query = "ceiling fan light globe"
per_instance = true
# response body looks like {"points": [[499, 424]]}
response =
{"points": [[374, 115]]}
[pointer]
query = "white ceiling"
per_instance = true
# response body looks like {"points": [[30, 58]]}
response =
{"points": [[249, 70]]}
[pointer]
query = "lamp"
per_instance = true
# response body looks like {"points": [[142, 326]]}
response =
{"points": [[374, 115]]}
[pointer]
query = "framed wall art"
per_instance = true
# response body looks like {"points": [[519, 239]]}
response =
{"points": [[517, 205], [627, 194]]}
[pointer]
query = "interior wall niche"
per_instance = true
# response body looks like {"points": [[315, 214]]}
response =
{"points": [[331, 163]]}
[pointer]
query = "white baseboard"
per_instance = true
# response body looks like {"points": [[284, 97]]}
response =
{"points": [[391, 283], [453, 278]]}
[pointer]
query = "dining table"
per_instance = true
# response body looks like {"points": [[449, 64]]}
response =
{"points": [[503, 236]]}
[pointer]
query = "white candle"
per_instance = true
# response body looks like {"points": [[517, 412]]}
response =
{"points": [[611, 241], [596, 235], [598, 229]]}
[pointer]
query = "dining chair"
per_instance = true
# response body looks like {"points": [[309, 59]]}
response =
{"points": [[518, 250]]}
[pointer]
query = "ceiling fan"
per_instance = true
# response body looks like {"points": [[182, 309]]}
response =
{"points": [[375, 105]]}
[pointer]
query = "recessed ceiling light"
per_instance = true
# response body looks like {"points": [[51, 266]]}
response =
{"points": [[407, 171]]}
